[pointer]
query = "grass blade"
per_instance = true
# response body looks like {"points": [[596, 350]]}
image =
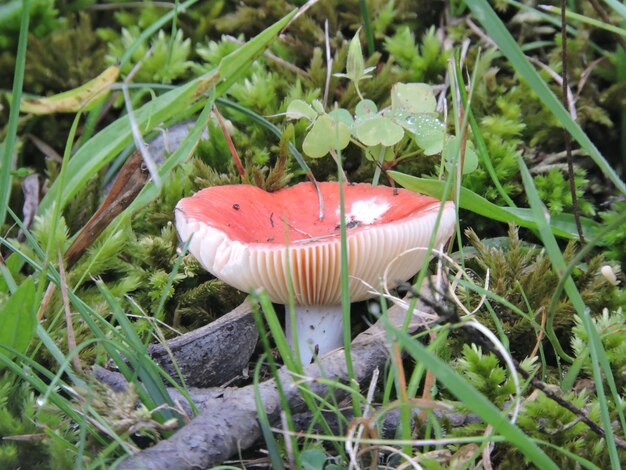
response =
{"points": [[264, 423], [102, 148], [6, 165], [509, 47], [562, 225], [600, 363], [472, 398]]}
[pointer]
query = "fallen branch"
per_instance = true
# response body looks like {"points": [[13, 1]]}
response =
{"points": [[214, 354], [228, 424]]}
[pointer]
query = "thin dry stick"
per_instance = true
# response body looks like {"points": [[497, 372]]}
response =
{"points": [[488, 449], [568, 138], [71, 339], [401, 377], [288, 442], [47, 297]]}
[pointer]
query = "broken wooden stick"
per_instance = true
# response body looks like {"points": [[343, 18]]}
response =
{"points": [[212, 355], [228, 423]]}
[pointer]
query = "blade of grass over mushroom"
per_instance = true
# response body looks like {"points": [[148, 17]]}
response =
{"points": [[8, 146], [562, 225], [266, 428], [599, 362], [472, 398], [290, 362], [345, 285], [102, 148], [509, 47], [277, 332]]}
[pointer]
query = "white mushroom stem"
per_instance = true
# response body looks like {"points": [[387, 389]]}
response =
{"points": [[319, 329]]}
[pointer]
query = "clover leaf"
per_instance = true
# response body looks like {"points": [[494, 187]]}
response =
{"points": [[377, 130], [299, 109], [413, 98], [453, 145], [326, 134]]}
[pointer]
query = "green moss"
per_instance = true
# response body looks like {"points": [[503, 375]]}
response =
{"points": [[20, 416], [614, 242], [425, 62], [522, 274], [64, 59], [43, 19], [164, 60], [543, 419], [611, 328], [487, 375], [554, 190]]}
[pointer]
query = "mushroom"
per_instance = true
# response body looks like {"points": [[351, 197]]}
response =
{"points": [[245, 236]]}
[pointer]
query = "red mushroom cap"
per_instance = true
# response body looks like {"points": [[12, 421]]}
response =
{"points": [[239, 234]]}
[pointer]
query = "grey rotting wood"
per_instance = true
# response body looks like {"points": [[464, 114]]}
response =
{"points": [[228, 423], [214, 354]]}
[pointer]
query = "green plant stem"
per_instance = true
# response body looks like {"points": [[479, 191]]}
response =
{"points": [[345, 290], [367, 24], [6, 165], [379, 163], [264, 423]]}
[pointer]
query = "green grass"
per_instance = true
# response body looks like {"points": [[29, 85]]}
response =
{"points": [[35, 352], [7, 147]]}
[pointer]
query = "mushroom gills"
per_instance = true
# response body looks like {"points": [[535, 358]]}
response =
{"points": [[319, 329]]}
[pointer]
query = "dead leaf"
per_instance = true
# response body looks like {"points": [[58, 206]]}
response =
{"points": [[79, 99], [131, 179]]}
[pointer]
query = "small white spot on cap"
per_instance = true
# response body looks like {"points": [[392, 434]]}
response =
{"points": [[367, 211]]}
